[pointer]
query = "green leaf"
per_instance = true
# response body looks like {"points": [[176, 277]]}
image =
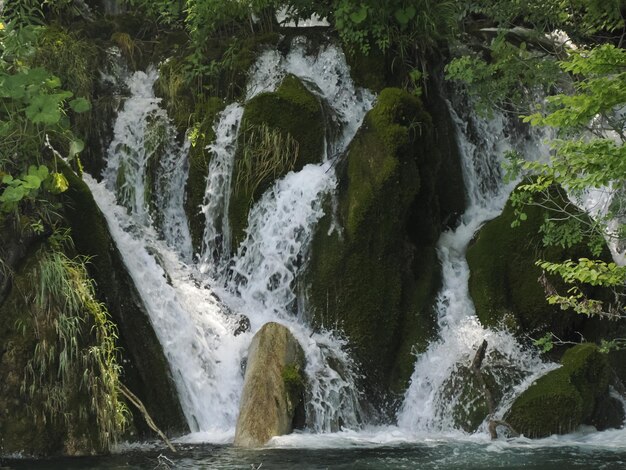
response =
{"points": [[359, 16], [44, 109], [31, 182], [13, 194], [80, 105], [404, 16], [76, 146]]}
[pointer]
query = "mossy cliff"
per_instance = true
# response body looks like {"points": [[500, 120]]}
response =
{"points": [[564, 398], [280, 131], [377, 278], [146, 370], [20, 430], [505, 283], [59, 389]]}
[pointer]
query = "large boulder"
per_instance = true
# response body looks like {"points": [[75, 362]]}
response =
{"points": [[507, 287], [280, 131], [378, 278], [273, 386], [565, 398]]}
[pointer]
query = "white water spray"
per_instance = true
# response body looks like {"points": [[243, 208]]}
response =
{"points": [[145, 214], [146, 167], [427, 406], [261, 279]]}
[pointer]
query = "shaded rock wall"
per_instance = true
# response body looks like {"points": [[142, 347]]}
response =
{"points": [[376, 280], [146, 370]]}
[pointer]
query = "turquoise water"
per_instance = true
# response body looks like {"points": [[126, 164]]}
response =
{"points": [[590, 451]]}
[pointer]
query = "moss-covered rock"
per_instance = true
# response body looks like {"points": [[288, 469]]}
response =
{"points": [[377, 279], [47, 396], [505, 283], [144, 361], [199, 158], [280, 131], [565, 398]]}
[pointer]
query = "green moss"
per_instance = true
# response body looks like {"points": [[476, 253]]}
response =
{"points": [[368, 71], [361, 280], [20, 430], [505, 283], [293, 377], [69, 57], [295, 113], [202, 134], [564, 398], [384, 155]]}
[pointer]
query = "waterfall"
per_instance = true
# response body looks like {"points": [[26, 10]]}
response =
{"points": [[261, 278], [141, 196], [216, 240], [146, 167], [427, 406]]}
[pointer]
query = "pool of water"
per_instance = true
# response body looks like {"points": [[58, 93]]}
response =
{"points": [[363, 451]]}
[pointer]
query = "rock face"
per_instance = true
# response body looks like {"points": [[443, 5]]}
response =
{"points": [[280, 131], [378, 278], [273, 386], [144, 361], [565, 398], [505, 282]]}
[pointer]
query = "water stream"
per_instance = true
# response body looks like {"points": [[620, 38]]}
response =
{"points": [[198, 331], [196, 301]]}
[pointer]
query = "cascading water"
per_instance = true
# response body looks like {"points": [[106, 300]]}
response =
{"points": [[141, 197], [429, 405], [260, 280], [146, 167]]}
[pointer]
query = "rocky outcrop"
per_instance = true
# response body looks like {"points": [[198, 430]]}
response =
{"points": [[20, 430], [144, 362], [506, 286], [377, 279], [280, 131], [273, 386], [565, 398]]}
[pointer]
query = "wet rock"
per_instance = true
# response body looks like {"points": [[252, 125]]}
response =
{"points": [[565, 398], [243, 324], [291, 114], [508, 288], [273, 386], [378, 278]]}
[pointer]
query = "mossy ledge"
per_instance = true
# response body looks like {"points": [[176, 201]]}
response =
{"points": [[295, 113], [377, 280], [564, 398]]}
